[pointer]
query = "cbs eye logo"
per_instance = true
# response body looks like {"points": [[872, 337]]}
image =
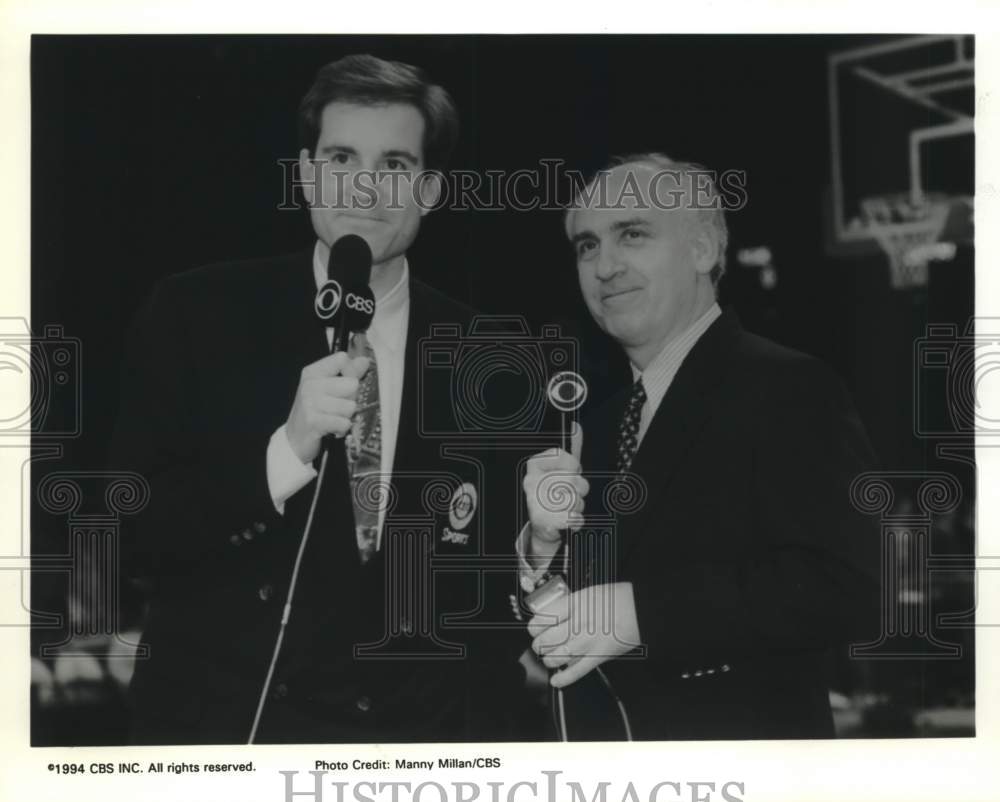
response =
{"points": [[358, 303], [328, 300], [567, 391], [463, 506]]}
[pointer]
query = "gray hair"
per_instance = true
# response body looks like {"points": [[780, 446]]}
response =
{"points": [[711, 214]]}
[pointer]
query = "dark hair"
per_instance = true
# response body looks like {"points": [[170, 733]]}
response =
{"points": [[371, 81]]}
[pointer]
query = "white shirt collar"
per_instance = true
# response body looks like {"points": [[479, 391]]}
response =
{"points": [[682, 343], [388, 327], [659, 373]]}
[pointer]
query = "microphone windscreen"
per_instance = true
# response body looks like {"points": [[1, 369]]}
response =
{"points": [[351, 261]]}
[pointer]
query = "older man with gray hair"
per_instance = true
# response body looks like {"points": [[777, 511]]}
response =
{"points": [[708, 606]]}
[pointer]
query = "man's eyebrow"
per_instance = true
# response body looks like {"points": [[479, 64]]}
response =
{"points": [[618, 225], [398, 153], [401, 154]]}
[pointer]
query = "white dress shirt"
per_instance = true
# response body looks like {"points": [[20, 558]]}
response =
{"points": [[286, 474], [659, 374], [656, 379]]}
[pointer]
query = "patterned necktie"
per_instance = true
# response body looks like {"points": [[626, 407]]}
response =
{"points": [[364, 452], [628, 432]]}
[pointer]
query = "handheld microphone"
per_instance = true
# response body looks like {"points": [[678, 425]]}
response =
{"points": [[330, 296], [359, 309], [327, 305], [567, 392], [348, 259], [358, 304], [349, 254]]}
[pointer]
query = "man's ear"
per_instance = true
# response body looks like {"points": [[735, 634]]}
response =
{"points": [[704, 249], [428, 190], [307, 176]]}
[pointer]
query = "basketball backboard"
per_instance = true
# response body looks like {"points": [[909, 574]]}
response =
{"points": [[902, 149]]}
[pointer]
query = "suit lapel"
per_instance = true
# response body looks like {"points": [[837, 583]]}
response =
{"points": [[298, 329], [600, 434], [681, 417], [409, 444]]}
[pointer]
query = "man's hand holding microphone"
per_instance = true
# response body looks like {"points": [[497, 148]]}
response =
{"points": [[577, 632], [324, 402], [555, 490], [325, 398]]}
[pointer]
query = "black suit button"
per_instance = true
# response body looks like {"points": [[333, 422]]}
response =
{"points": [[725, 668], [280, 690], [264, 592], [247, 534], [685, 675], [235, 540], [259, 527], [364, 704]]}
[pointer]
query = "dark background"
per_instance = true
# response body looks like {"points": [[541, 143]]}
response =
{"points": [[152, 155]]}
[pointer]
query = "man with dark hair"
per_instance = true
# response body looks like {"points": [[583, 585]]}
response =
{"points": [[368, 81], [231, 399], [709, 604]]}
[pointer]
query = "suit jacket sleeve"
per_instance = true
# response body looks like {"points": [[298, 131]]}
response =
{"points": [[809, 579], [206, 489]]}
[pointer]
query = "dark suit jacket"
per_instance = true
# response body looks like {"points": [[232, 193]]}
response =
{"points": [[747, 560], [370, 654]]}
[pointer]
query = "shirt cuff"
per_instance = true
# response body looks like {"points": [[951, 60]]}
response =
{"points": [[286, 473], [529, 577]]}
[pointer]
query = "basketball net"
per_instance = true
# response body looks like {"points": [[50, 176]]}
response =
{"points": [[908, 233]]}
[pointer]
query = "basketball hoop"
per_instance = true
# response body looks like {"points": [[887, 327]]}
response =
{"points": [[908, 233]]}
